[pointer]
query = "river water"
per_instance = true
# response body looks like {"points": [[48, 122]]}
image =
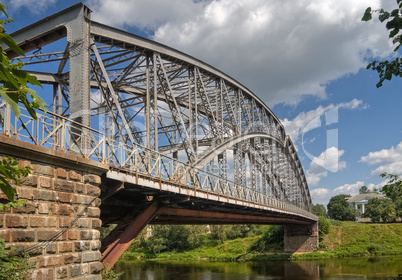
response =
{"points": [[333, 269]]}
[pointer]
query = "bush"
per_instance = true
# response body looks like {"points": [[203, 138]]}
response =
{"points": [[338, 208], [173, 238], [335, 223], [18, 269], [374, 248], [271, 239], [323, 228], [380, 209], [111, 275]]}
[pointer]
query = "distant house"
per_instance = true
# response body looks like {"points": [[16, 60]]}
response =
{"points": [[360, 201]]}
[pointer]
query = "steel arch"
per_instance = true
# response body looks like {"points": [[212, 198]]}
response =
{"points": [[152, 101]]}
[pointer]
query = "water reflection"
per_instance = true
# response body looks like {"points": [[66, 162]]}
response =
{"points": [[350, 268]]}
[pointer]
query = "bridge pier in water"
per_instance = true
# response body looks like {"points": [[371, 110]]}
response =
{"points": [[301, 238], [59, 224]]}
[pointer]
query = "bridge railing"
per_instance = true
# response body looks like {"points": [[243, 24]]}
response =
{"points": [[59, 133]]}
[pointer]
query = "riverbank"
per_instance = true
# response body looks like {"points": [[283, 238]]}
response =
{"points": [[345, 239]]}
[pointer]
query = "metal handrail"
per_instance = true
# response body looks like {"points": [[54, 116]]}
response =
{"points": [[59, 133]]}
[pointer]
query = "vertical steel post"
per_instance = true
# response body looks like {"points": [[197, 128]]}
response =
{"points": [[78, 35]]}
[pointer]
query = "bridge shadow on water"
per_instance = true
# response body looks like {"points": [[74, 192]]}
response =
{"points": [[334, 269], [218, 271]]}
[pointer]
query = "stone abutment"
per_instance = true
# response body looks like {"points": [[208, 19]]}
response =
{"points": [[59, 224]]}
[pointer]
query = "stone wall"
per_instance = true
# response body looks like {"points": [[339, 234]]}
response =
{"points": [[301, 238], [55, 196]]}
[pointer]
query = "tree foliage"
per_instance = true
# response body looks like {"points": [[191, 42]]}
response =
{"points": [[10, 171], [387, 69], [338, 208], [393, 190], [389, 208], [12, 267], [380, 209], [323, 228], [272, 238], [229, 232], [363, 190], [173, 237], [13, 80], [14, 89], [319, 210]]}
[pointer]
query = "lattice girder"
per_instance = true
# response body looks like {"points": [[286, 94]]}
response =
{"points": [[152, 96]]}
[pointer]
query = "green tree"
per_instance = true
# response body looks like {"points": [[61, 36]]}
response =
{"points": [[173, 237], [363, 190], [380, 209], [387, 69], [338, 208], [272, 238], [14, 89], [393, 190], [319, 210], [323, 228]]}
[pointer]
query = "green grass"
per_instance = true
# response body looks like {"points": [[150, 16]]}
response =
{"points": [[344, 239], [358, 239]]}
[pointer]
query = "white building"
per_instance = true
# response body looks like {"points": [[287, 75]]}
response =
{"points": [[360, 201]]}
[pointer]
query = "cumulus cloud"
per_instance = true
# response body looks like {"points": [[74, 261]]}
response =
{"points": [[281, 50], [323, 195], [40, 5], [149, 15], [389, 160], [305, 121], [327, 161]]}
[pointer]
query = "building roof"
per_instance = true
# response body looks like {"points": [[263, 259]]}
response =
{"points": [[364, 196]]}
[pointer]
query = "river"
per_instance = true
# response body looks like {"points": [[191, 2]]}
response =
{"points": [[333, 269]]}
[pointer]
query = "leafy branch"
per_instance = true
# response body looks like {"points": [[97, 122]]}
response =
{"points": [[387, 69], [14, 81]]}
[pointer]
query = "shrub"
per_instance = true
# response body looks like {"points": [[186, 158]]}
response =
{"points": [[271, 239], [335, 223], [323, 228]]}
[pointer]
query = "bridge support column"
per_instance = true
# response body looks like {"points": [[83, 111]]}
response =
{"points": [[124, 235], [58, 226], [301, 238]]}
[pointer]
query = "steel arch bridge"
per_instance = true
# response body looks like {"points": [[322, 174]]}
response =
{"points": [[151, 102], [149, 110]]}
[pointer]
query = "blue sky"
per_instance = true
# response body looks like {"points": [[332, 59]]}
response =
{"points": [[305, 59]]}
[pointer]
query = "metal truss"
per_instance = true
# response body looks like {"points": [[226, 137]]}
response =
{"points": [[139, 105]]}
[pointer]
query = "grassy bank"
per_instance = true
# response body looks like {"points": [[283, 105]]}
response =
{"points": [[343, 240], [348, 239]]}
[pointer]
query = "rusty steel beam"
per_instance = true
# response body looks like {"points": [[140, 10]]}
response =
{"points": [[112, 190], [113, 252], [186, 216]]}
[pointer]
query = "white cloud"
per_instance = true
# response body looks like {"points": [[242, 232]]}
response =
{"points": [[281, 50], [389, 160], [294, 128], [148, 15], [35, 7], [323, 195], [329, 160]]}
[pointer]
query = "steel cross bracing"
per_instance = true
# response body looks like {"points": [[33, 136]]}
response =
{"points": [[157, 111]]}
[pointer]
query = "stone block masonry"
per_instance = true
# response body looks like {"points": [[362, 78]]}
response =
{"points": [[55, 197], [301, 238]]}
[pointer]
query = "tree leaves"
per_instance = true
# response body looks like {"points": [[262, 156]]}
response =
{"points": [[367, 15], [9, 41], [338, 208], [9, 171], [14, 81], [387, 70]]}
